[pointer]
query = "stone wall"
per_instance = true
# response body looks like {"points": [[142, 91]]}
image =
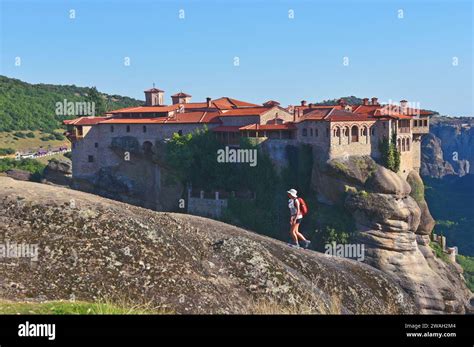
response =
{"points": [[204, 206], [282, 114]]}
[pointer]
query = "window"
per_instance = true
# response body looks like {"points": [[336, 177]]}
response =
{"points": [[96, 144], [180, 132], [144, 128], [408, 144], [425, 122], [311, 132], [90, 158], [355, 133], [364, 131], [305, 132], [111, 128], [372, 130], [128, 128], [316, 132]]}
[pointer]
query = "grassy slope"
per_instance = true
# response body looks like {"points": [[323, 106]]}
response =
{"points": [[8, 140], [74, 307]]}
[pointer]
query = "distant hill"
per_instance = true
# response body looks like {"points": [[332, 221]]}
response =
{"points": [[25, 106], [351, 100]]}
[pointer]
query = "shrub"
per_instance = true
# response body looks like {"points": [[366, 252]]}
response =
{"points": [[7, 151], [19, 134]]}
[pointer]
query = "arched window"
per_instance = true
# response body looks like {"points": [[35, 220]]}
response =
{"points": [[355, 133], [147, 147], [399, 145], [408, 144], [364, 131], [403, 145]]}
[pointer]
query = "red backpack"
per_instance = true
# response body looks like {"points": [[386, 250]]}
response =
{"points": [[303, 206]]}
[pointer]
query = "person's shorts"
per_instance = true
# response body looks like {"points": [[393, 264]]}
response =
{"points": [[298, 221]]}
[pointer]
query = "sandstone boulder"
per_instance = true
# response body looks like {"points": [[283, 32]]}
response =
{"points": [[386, 181], [59, 171]]}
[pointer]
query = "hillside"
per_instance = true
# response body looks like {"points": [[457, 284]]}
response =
{"points": [[25, 106], [91, 248]]}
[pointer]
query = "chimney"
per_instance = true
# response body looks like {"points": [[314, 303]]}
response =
{"points": [[375, 101], [303, 102], [341, 102], [365, 101], [208, 101], [403, 103], [310, 105]]}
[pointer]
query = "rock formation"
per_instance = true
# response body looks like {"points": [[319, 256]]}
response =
{"points": [[91, 247], [394, 224], [449, 148], [58, 171]]}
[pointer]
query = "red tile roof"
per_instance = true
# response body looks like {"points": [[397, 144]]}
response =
{"points": [[335, 114], [146, 109], [285, 126], [248, 111], [181, 95], [84, 120], [155, 120], [155, 90], [177, 118]]}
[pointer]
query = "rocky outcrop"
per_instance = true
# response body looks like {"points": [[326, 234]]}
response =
{"points": [[449, 148], [17, 174], [427, 222], [432, 159], [91, 248], [58, 171], [393, 223]]}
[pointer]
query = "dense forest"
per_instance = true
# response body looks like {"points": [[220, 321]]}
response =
{"points": [[450, 200], [25, 106]]}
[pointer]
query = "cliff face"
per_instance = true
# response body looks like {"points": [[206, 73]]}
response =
{"points": [[91, 247], [449, 148], [393, 223]]}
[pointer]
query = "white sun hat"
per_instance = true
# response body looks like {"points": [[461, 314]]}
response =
{"points": [[293, 193]]}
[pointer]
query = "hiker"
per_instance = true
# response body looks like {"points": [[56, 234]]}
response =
{"points": [[297, 209]]}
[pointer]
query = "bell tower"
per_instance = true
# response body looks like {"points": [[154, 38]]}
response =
{"points": [[154, 97]]}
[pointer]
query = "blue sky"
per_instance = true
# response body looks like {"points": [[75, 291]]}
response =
{"points": [[280, 58]]}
